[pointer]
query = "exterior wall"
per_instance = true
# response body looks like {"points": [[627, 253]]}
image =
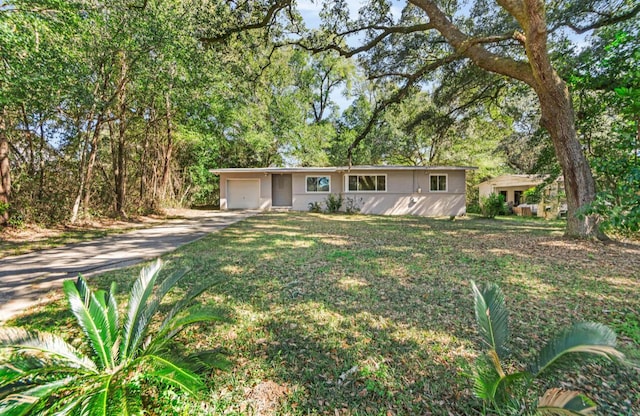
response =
{"points": [[407, 192], [302, 198], [510, 190], [265, 188], [402, 196], [486, 189]]}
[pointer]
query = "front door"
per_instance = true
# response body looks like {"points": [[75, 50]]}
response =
{"points": [[517, 198], [281, 190]]}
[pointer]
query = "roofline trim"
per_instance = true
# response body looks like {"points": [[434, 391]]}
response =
{"points": [[339, 169]]}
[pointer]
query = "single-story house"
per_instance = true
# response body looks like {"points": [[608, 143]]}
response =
{"points": [[385, 190], [512, 187]]}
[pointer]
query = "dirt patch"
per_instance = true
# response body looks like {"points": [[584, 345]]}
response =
{"points": [[264, 398]]}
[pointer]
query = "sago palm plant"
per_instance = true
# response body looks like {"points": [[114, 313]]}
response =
{"points": [[40, 373], [507, 393]]}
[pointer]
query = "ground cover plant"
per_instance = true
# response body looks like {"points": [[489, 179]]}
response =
{"points": [[369, 315], [512, 393], [42, 374]]}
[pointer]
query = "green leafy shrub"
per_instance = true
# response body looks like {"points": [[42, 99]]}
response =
{"points": [[532, 195], [352, 205], [334, 203], [474, 208], [16, 220], [618, 199], [40, 373], [492, 205], [510, 393], [315, 206]]}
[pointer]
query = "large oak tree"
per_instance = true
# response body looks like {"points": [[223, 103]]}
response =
{"points": [[510, 39]]}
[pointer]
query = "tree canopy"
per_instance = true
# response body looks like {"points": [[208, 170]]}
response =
{"points": [[136, 101]]}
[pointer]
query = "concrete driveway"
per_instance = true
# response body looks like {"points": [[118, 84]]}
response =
{"points": [[27, 279]]}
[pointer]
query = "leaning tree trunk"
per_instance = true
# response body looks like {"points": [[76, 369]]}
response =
{"points": [[5, 170], [558, 118], [555, 100]]}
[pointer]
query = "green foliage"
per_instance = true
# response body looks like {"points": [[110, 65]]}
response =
{"points": [[352, 205], [618, 173], [334, 202], [532, 195], [608, 107], [509, 393], [492, 205], [315, 206], [4, 207], [40, 373]]}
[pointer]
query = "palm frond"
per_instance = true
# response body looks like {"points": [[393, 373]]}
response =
{"points": [[135, 324], [493, 387], [192, 316], [152, 307], [17, 377], [173, 374], [492, 316], [36, 343], [25, 402], [485, 381], [584, 337], [90, 311], [565, 403], [113, 319], [99, 402], [208, 360], [184, 302]]}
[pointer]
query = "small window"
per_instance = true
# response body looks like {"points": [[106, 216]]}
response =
{"points": [[367, 183], [438, 183], [318, 184]]}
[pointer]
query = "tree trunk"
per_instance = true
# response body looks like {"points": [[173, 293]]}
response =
{"points": [[5, 170], [166, 169], [120, 171], [555, 101], [558, 117]]}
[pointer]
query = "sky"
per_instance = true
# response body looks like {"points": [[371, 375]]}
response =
{"points": [[310, 11]]}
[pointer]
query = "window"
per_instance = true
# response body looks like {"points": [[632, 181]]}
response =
{"points": [[438, 183], [367, 183], [318, 184]]}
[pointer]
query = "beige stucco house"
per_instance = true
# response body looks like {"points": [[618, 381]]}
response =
{"points": [[512, 187], [385, 190]]}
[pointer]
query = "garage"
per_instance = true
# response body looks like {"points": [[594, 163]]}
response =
{"points": [[243, 194]]}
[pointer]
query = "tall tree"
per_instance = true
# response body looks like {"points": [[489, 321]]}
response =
{"points": [[5, 171], [511, 41]]}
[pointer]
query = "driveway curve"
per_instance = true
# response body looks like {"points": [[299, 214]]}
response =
{"points": [[27, 279]]}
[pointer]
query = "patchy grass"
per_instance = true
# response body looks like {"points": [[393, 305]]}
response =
{"points": [[367, 315], [33, 237], [12, 246]]}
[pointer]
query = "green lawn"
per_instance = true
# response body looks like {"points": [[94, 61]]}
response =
{"points": [[369, 315]]}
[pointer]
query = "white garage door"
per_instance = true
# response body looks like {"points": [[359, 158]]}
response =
{"points": [[243, 194]]}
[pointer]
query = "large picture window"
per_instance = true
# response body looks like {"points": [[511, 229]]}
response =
{"points": [[438, 183], [318, 184], [367, 183]]}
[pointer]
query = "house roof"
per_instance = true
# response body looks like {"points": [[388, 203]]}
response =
{"points": [[340, 169], [516, 180]]}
